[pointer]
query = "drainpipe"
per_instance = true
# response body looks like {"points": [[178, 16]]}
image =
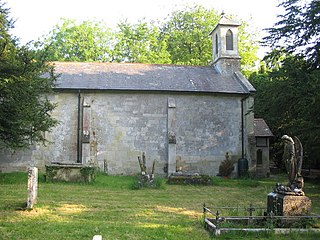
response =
{"points": [[79, 145], [242, 162], [242, 127]]}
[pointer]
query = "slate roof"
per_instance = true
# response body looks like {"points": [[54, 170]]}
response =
{"points": [[147, 77], [224, 20], [261, 128]]}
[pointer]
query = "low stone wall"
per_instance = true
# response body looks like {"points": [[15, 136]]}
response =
{"points": [[70, 173]]}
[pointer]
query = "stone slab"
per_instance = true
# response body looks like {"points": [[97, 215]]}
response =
{"points": [[70, 173], [288, 205]]}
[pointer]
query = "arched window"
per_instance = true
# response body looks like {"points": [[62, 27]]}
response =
{"points": [[229, 40], [216, 43]]}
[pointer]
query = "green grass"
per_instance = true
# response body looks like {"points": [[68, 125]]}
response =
{"points": [[111, 208]]}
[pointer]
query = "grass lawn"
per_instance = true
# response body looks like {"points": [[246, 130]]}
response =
{"points": [[111, 208]]}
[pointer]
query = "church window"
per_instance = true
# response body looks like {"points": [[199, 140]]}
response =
{"points": [[261, 142], [216, 43], [229, 40], [259, 156]]}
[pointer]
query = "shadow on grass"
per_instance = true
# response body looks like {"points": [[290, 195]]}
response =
{"points": [[13, 178], [235, 183]]}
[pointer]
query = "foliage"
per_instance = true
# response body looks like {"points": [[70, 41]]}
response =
{"points": [[140, 43], [188, 37], [85, 42], [288, 96], [298, 30], [108, 207], [189, 43], [24, 109], [181, 39], [141, 183], [248, 49], [226, 166], [288, 99]]}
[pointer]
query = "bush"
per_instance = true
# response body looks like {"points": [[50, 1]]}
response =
{"points": [[141, 182]]}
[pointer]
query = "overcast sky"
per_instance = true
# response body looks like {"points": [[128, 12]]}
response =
{"points": [[35, 18]]}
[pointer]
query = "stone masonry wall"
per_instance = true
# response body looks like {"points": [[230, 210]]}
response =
{"points": [[207, 128], [122, 125]]}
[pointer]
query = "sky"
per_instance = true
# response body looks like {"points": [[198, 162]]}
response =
{"points": [[35, 18]]}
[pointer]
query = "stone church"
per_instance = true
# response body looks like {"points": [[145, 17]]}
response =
{"points": [[185, 118]]}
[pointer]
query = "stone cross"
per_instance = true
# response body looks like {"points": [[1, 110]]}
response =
{"points": [[32, 186], [251, 209]]}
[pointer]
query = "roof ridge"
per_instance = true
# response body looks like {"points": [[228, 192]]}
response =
{"points": [[128, 63]]}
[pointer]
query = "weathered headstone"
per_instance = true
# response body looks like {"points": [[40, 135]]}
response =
{"points": [[32, 187]]}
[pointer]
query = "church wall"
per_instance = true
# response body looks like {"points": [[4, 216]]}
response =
{"points": [[125, 125], [61, 145], [207, 128], [122, 125]]}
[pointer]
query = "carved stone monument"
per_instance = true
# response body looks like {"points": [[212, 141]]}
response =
{"points": [[289, 199], [32, 187]]}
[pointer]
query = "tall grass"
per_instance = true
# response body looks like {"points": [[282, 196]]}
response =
{"points": [[111, 208]]}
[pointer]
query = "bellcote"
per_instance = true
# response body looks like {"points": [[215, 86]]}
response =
{"points": [[225, 52]]}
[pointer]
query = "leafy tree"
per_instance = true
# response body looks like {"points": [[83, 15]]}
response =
{"points": [[182, 39], [24, 109], [288, 94], [189, 43], [85, 42], [298, 30], [140, 43], [288, 99], [188, 37], [248, 48]]}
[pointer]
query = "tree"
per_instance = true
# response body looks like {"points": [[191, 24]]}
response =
{"points": [[140, 43], [288, 99], [189, 42], [24, 108], [248, 48], [85, 42], [298, 30], [182, 39], [288, 94], [188, 37]]}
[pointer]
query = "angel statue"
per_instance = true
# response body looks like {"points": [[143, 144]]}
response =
{"points": [[292, 157]]}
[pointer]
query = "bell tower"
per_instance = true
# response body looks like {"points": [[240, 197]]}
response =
{"points": [[225, 52]]}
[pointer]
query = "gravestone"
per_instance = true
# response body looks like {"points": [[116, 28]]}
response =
{"points": [[32, 187], [288, 205]]}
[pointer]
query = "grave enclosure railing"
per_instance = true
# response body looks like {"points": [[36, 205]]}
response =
{"points": [[218, 224]]}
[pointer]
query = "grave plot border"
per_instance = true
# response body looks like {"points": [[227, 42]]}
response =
{"points": [[214, 225]]}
